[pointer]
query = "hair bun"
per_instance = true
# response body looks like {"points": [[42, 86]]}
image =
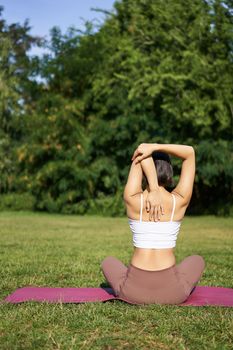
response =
{"points": [[161, 156]]}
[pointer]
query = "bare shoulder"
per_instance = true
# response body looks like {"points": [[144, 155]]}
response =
{"points": [[133, 205], [181, 201]]}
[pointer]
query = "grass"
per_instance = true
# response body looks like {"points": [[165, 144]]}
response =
{"points": [[58, 250]]}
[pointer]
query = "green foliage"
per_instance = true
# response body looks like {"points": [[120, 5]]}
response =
{"points": [[17, 201], [16, 88], [144, 76], [7, 167], [214, 177]]}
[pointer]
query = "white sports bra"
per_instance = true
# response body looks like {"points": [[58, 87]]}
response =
{"points": [[155, 234]]}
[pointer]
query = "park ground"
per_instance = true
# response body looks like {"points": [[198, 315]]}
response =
{"points": [[66, 251]]}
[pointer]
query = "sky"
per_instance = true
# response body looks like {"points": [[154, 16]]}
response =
{"points": [[44, 14]]}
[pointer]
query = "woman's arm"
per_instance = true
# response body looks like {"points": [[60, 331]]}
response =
{"points": [[134, 182], [154, 200], [146, 149], [148, 167], [134, 187], [184, 187]]}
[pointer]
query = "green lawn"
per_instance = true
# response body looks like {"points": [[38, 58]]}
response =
{"points": [[61, 251]]}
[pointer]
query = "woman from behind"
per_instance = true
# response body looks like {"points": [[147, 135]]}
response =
{"points": [[155, 216]]}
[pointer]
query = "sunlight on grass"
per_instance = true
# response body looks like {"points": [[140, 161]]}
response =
{"points": [[61, 251]]}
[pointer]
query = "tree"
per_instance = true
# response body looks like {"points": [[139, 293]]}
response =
{"points": [[144, 76], [15, 89]]}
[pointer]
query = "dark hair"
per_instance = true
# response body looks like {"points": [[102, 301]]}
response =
{"points": [[163, 168]]}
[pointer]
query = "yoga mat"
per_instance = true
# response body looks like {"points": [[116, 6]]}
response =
{"points": [[201, 296]]}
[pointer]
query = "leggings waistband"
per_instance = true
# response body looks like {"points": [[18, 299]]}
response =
{"points": [[131, 266]]}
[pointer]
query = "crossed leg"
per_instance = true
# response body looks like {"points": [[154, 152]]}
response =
{"points": [[114, 271], [190, 270]]}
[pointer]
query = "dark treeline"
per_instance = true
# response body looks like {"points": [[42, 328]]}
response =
{"points": [[155, 71]]}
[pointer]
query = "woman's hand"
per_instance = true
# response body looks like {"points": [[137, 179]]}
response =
{"points": [[144, 150], [154, 205]]}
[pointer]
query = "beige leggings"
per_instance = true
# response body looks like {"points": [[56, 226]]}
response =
{"points": [[168, 286]]}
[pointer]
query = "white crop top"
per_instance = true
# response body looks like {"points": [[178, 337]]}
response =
{"points": [[155, 234]]}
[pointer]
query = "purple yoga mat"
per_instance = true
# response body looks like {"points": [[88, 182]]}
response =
{"points": [[201, 296]]}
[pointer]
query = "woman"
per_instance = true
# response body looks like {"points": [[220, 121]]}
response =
{"points": [[155, 216]]}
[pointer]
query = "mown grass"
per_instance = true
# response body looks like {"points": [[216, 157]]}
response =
{"points": [[58, 250]]}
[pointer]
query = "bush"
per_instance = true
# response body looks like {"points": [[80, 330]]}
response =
{"points": [[17, 201], [111, 205]]}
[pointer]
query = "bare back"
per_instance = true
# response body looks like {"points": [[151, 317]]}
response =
{"points": [[133, 210], [155, 259]]}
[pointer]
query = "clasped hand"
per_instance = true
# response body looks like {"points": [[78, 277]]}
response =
{"points": [[153, 201], [154, 205]]}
